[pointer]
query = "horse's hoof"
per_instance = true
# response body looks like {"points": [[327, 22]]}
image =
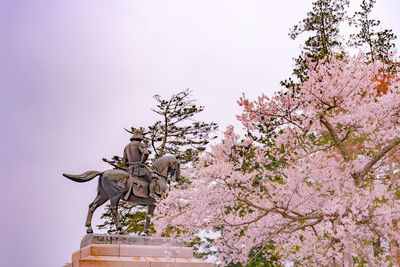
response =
{"points": [[121, 232], [144, 234], [89, 231]]}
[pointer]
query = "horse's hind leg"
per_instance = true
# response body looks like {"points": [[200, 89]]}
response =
{"points": [[115, 193], [98, 201]]}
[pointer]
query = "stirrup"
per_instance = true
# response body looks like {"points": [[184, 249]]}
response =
{"points": [[128, 194], [126, 197]]}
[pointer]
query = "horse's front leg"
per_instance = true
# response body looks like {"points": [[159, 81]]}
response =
{"points": [[114, 211], [150, 211]]}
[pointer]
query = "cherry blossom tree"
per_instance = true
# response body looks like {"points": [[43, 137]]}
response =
{"points": [[319, 187]]}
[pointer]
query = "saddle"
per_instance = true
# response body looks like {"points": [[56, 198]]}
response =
{"points": [[136, 169], [140, 179], [140, 186]]}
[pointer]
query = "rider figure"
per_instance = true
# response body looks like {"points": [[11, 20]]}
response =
{"points": [[135, 156]]}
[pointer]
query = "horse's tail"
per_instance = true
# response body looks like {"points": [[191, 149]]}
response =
{"points": [[84, 177]]}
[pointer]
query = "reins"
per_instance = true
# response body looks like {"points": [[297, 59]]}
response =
{"points": [[159, 174]]}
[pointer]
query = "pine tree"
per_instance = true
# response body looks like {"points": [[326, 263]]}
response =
{"points": [[176, 133], [322, 23], [379, 42]]}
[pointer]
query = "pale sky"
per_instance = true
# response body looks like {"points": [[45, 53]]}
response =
{"points": [[74, 73]]}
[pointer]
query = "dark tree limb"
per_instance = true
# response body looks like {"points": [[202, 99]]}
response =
{"points": [[359, 175], [336, 139]]}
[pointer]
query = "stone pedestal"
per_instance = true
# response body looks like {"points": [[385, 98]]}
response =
{"points": [[123, 251]]}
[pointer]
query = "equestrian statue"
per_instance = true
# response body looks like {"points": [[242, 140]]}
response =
{"points": [[137, 183]]}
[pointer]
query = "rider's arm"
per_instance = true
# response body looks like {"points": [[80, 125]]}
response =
{"points": [[145, 152], [125, 157]]}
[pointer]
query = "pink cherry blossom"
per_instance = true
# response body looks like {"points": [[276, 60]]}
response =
{"points": [[322, 191]]}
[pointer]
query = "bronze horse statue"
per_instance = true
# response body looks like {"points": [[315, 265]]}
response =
{"points": [[113, 185]]}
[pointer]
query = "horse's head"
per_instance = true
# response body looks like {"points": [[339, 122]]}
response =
{"points": [[168, 166], [175, 170]]}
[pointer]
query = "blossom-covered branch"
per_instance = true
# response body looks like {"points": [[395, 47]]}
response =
{"points": [[315, 182]]}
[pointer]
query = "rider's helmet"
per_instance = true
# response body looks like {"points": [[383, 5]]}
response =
{"points": [[137, 135]]}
